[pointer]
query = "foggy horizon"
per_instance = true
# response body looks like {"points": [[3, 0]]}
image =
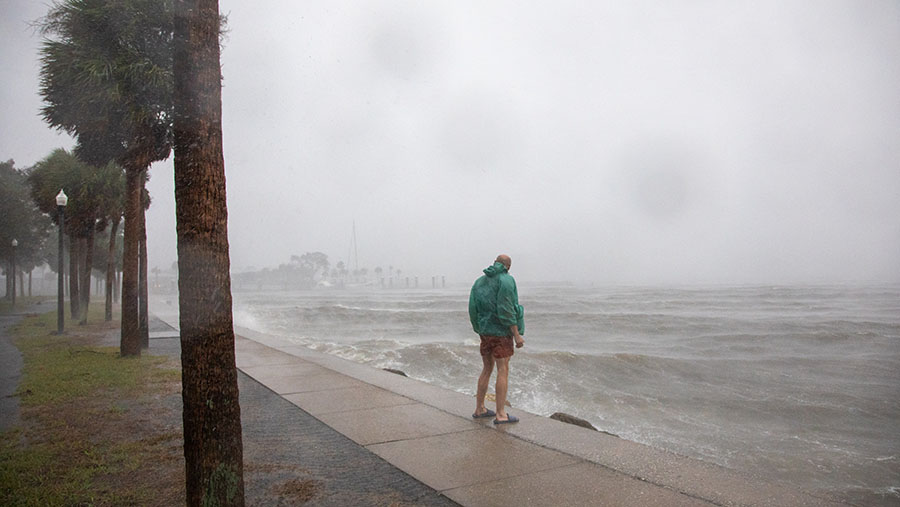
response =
{"points": [[640, 143]]}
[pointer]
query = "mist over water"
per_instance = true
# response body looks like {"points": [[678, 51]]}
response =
{"points": [[622, 143], [799, 384]]}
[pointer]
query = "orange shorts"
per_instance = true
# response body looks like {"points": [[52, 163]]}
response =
{"points": [[497, 346]]}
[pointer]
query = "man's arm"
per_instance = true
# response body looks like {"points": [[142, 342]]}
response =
{"points": [[520, 342]]}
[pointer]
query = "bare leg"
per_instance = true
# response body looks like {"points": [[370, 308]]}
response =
{"points": [[502, 380], [483, 380]]}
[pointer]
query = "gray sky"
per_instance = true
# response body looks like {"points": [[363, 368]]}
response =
{"points": [[625, 142]]}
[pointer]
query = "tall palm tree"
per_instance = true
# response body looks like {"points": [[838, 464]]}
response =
{"points": [[143, 292], [212, 417], [106, 77]]}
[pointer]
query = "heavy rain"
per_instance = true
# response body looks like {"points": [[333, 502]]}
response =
{"points": [[701, 201]]}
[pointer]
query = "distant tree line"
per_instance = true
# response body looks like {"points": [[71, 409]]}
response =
{"points": [[22, 221], [313, 269]]}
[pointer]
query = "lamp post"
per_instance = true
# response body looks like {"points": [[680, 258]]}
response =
{"points": [[61, 200], [13, 271]]}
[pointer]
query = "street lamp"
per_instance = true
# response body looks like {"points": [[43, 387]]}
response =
{"points": [[14, 245], [61, 201]]}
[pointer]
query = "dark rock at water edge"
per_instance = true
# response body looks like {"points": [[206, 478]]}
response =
{"points": [[577, 421], [571, 419], [398, 372]]}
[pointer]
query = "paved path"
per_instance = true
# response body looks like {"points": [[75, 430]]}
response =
{"points": [[284, 445]]}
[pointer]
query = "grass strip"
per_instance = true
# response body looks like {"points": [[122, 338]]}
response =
{"points": [[96, 429]]}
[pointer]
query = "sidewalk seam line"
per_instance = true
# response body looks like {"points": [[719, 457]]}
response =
{"points": [[351, 410], [416, 438]]}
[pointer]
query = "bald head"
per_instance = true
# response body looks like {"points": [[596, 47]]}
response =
{"points": [[505, 260]]}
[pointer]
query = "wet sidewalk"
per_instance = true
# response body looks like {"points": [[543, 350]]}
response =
{"points": [[428, 432], [292, 458]]}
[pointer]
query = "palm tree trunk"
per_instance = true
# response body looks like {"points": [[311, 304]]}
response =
{"points": [[143, 310], [111, 268], [74, 298], [130, 344], [86, 275], [213, 447]]}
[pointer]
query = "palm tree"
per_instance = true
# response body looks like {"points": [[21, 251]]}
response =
{"points": [[109, 191], [86, 213], [143, 293], [106, 77], [212, 416], [109, 254]]}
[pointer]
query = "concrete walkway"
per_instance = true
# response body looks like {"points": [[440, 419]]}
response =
{"points": [[288, 451], [428, 432]]}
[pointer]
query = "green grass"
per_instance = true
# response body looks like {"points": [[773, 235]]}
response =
{"points": [[75, 444], [21, 303]]}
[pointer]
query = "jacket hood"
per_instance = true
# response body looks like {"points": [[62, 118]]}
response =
{"points": [[495, 269]]}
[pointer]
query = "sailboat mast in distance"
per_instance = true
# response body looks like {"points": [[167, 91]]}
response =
{"points": [[353, 254]]}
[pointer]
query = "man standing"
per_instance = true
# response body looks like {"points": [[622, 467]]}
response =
{"points": [[498, 318]]}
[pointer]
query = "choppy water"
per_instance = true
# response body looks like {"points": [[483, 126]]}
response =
{"points": [[793, 384]]}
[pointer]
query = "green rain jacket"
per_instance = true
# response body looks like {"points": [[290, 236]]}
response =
{"points": [[494, 303]]}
